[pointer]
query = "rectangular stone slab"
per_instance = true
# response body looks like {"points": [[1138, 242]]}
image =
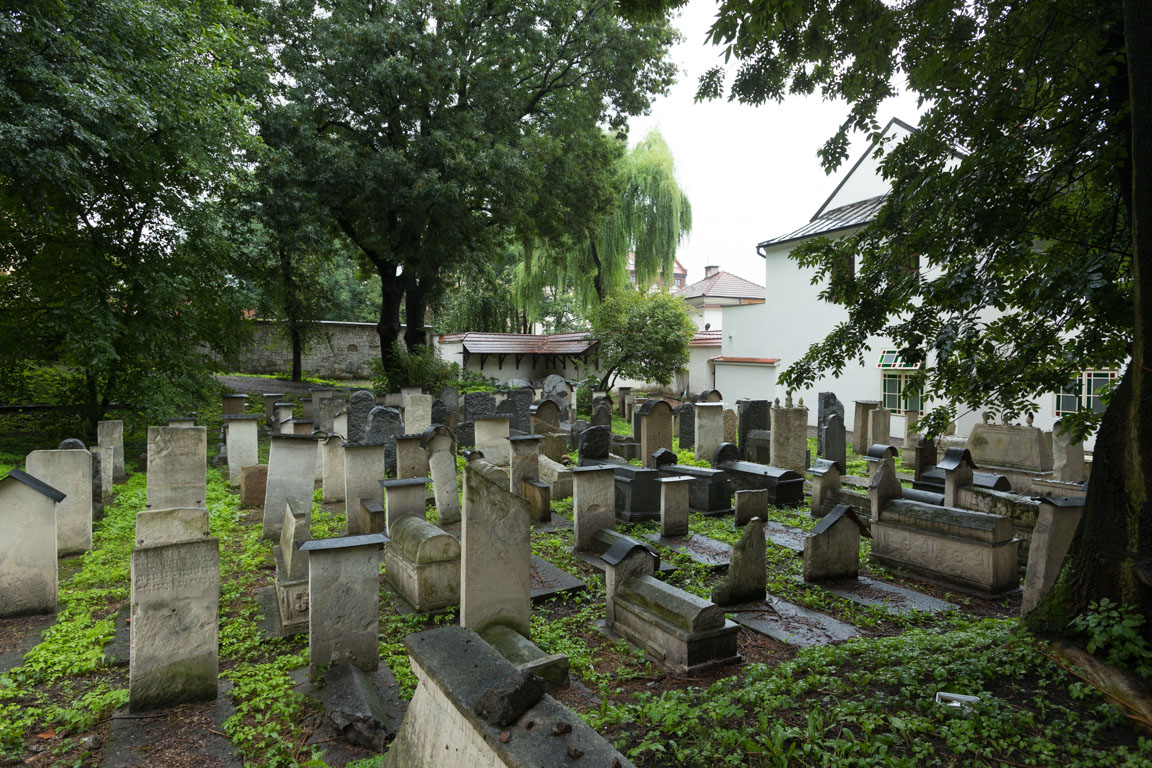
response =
{"points": [[795, 625], [890, 597], [548, 581], [710, 553], [177, 467], [69, 472]]}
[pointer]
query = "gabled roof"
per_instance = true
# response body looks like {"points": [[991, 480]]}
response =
{"points": [[722, 285], [677, 267], [522, 343], [35, 484], [707, 339], [845, 217]]}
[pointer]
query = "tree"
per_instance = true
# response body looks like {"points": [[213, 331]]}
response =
{"points": [[643, 335], [119, 122], [430, 129], [649, 220], [1019, 194]]}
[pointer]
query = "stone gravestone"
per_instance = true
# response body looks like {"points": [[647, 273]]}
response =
{"points": [[439, 412], [155, 527], [450, 396], [687, 419], [411, 461], [751, 504], [291, 478], [175, 624], [711, 396], [655, 429], [344, 601], [926, 457], [789, 435], [709, 418], [332, 466], [241, 435], [545, 417], [746, 579], [1067, 456], [253, 485], [177, 467], [97, 481], [69, 472], [330, 404], [384, 424], [516, 407], [440, 447], [556, 390], [594, 503], [602, 415], [731, 426], [417, 413], [28, 545], [879, 428], [110, 438], [492, 439], [359, 406], [861, 437], [402, 499], [835, 440], [479, 405], [911, 438], [827, 404], [363, 470], [595, 445], [750, 415], [674, 506], [270, 400], [233, 404], [832, 548], [1056, 524]]}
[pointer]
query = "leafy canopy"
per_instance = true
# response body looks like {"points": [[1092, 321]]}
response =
{"points": [[643, 335]]}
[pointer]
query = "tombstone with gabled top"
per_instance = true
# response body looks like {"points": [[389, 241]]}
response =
{"points": [[826, 476], [832, 548], [28, 546]]}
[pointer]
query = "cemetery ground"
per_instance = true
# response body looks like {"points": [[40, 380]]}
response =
{"points": [[868, 701]]}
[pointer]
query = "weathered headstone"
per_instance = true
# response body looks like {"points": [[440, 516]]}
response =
{"points": [[516, 407], [623, 395], [595, 445], [594, 503], [1056, 524], [832, 548], [911, 438], [826, 476], [439, 447], [28, 546], [709, 418], [1067, 456], [344, 601], [525, 462], [674, 506], [556, 389], [411, 461], [747, 570], [291, 479], [110, 437], [177, 467], [330, 403], [686, 415], [384, 424], [750, 415], [402, 498], [827, 404], [439, 412], [270, 400], [155, 527], [69, 472], [233, 404], [492, 439], [879, 428], [332, 483], [750, 504], [731, 426], [655, 428], [363, 471], [789, 435], [835, 440], [861, 423], [545, 417], [253, 485], [926, 457], [359, 406], [479, 405], [175, 624], [711, 396], [242, 435], [417, 413], [602, 415]]}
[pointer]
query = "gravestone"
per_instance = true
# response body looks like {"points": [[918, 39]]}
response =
{"points": [[363, 470], [827, 404], [340, 424], [911, 438], [710, 396], [545, 417], [595, 445], [175, 624], [879, 428], [330, 403], [789, 435], [556, 389], [465, 434], [155, 527], [1067, 456], [686, 415], [282, 418], [439, 447], [344, 601], [655, 428], [359, 406], [479, 405], [594, 503], [746, 579], [291, 478], [750, 414], [516, 407], [233, 404], [411, 461], [332, 481], [826, 476], [439, 412], [241, 435], [861, 423], [253, 485], [384, 424], [731, 426], [832, 548], [292, 574], [835, 440], [878, 453], [750, 504], [110, 437], [450, 396], [525, 462], [177, 467], [69, 472], [602, 415], [1056, 524], [422, 563], [492, 439], [417, 413], [623, 394], [28, 547], [709, 418], [674, 506], [926, 457], [402, 499], [270, 400]]}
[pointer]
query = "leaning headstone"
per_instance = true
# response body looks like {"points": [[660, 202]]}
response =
{"points": [[1056, 524], [687, 419], [439, 447], [242, 435], [832, 548], [28, 546], [291, 479], [835, 440], [827, 404], [789, 435], [594, 505], [177, 467], [750, 504], [750, 415], [344, 601], [709, 419], [674, 506], [479, 405], [417, 413], [175, 624], [384, 424], [746, 579], [1067, 456], [359, 406]]}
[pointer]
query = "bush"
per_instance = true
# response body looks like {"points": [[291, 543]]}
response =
{"points": [[422, 368]]}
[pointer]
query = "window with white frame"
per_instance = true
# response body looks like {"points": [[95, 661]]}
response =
{"points": [[901, 395], [1083, 394]]}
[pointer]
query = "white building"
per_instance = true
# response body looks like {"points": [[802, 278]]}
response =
{"points": [[707, 298], [760, 341]]}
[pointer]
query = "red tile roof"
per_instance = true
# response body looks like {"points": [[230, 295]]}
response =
{"points": [[723, 285], [753, 360], [706, 339], [521, 343]]}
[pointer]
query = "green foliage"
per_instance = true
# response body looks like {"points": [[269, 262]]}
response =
{"points": [[1114, 631], [421, 368], [481, 301], [643, 335]]}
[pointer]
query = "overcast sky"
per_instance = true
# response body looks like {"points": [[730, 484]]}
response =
{"points": [[751, 173]]}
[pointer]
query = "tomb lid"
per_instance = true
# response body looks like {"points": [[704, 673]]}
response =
{"points": [[242, 417], [303, 421], [413, 436], [36, 484], [663, 456], [1061, 501], [272, 394], [596, 468], [821, 467], [725, 452], [954, 457], [289, 437], [621, 548], [405, 482], [879, 451], [677, 479], [345, 542], [518, 438], [235, 395], [284, 404], [371, 505]]}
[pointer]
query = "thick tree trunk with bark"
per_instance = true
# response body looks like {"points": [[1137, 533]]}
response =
{"points": [[388, 329], [416, 299], [1111, 555]]}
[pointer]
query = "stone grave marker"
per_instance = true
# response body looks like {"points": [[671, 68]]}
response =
{"points": [[750, 415], [1056, 524], [177, 467], [602, 415], [595, 445], [686, 414], [417, 413], [110, 438], [359, 406], [544, 417], [291, 479], [750, 504], [492, 439], [233, 404], [384, 424], [789, 435], [747, 570], [270, 400], [439, 447], [411, 461], [344, 601], [826, 476], [674, 506], [861, 438], [28, 546], [731, 426], [363, 471], [879, 427], [402, 498], [156, 527], [241, 435], [827, 404], [479, 405], [69, 472], [832, 548], [517, 406], [1067, 456], [655, 428], [253, 485], [709, 418], [835, 440], [332, 482], [594, 503]]}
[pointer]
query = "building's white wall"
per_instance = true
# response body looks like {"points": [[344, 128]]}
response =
{"points": [[740, 381], [865, 181]]}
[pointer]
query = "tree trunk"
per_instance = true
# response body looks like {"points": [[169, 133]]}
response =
{"points": [[388, 328], [292, 310], [1111, 555], [416, 299], [297, 348], [598, 278]]}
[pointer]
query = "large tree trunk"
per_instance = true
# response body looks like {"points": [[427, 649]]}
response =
{"points": [[388, 329], [1111, 555], [297, 348], [416, 298], [292, 310]]}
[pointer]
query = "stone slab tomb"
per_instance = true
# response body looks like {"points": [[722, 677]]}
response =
{"points": [[439, 445], [344, 601], [785, 487], [557, 476], [68, 471], [682, 632], [28, 545], [422, 563], [175, 624], [291, 479], [177, 467], [241, 435], [496, 561], [709, 420], [709, 492]]}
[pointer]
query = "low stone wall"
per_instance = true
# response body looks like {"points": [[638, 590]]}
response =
{"points": [[339, 350]]}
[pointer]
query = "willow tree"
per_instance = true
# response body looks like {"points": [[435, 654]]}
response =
{"points": [[650, 218]]}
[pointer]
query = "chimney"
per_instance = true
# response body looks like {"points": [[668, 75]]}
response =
{"points": [[711, 270]]}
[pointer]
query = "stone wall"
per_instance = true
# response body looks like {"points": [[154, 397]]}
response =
{"points": [[339, 351]]}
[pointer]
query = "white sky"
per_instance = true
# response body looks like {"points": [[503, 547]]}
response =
{"points": [[751, 173]]}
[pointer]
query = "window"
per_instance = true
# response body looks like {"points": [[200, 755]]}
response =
{"points": [[1084, 393], [890, 360], [679, 282], [900, 394]]}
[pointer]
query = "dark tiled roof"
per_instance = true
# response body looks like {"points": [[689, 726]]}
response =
{"points": [[522, 343], [844, 217], [723, 285]]}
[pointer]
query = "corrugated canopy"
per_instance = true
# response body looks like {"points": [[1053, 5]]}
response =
{"points": [[523, 343]]}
